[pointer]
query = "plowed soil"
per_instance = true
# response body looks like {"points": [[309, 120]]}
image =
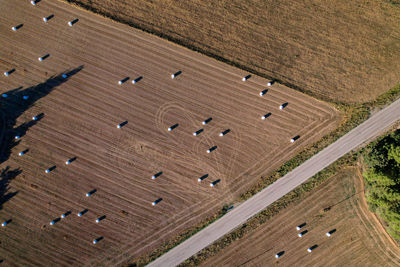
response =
{"points": [[359, 240], [341, 50], [80, 119]]}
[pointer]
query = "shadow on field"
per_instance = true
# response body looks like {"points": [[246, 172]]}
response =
{"points": [[12, 105], [6, 175], [249, 260], [341, 201]]}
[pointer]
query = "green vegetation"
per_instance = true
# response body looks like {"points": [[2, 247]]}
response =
{"points": [[385, 98], [382, 180], [394, 2]]}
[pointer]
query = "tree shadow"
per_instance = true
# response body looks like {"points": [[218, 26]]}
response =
{"points": [[256, 256], [13, 104], [6, 176], [341, 201]]}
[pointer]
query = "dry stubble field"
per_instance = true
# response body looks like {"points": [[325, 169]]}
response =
{"points": [[359, 240], [341, 50], [80, 118]]}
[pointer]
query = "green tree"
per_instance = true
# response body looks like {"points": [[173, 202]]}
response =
{"points": [[394, 153], [382, 180]]}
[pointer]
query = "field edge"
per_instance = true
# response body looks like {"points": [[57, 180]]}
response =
{"points": [[201, 51]]}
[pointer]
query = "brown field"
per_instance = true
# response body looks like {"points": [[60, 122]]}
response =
{"points": [[342, 50], [359, 240], [80, 118]]}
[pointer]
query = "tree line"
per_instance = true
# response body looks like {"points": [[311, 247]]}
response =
{"points": [[382, 180]]}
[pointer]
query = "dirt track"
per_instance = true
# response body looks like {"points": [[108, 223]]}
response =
{"points": [[80, 120], [359, 239]]}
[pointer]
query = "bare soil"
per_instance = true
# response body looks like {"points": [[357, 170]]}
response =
{"points": [[80, 119], [339, 203], [346, 51]]}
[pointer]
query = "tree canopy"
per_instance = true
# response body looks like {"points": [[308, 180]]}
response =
{"points": [[382, 179]]}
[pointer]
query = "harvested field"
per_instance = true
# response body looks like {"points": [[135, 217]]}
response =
{"points": [[345, 51], [339, 203], [81, 113]]}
